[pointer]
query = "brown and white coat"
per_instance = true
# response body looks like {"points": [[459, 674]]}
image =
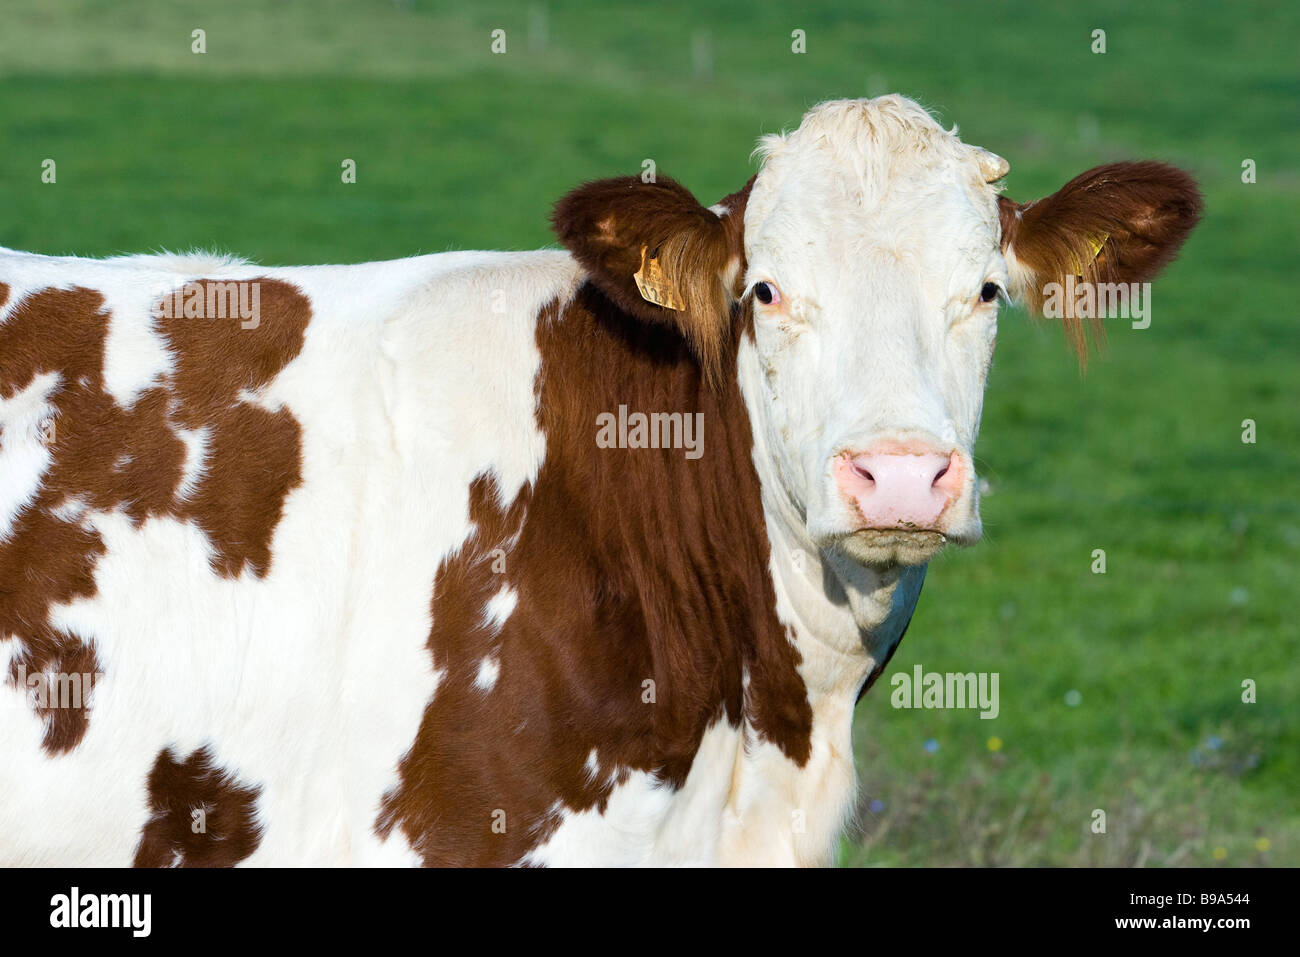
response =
{"points": [[348, 578]]}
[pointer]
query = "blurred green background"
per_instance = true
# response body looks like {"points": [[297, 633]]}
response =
{"points": [[1119, 691]]}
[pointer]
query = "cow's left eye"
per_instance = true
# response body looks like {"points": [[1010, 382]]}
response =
{"points": [[989, 292], [766, 293]]}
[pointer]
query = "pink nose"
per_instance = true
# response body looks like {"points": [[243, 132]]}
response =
{"points": [[900, 486]]}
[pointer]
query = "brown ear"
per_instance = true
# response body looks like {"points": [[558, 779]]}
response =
{"points": [[1119, 223], [614, 227]]}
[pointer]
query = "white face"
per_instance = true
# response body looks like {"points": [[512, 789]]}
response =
{"points": [[872, 240]]}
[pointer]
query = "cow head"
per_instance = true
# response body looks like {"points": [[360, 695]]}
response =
{"points": [[854, 286]]}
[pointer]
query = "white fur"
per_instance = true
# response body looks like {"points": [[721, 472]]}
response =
{"points": [[23, 456], [489, 669], [499, 608]]}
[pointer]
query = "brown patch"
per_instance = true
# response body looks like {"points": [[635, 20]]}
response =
{"points": [[1139, 214], [629, 566], [254, 456], [200, 815], [109, 457], [606, 224]]}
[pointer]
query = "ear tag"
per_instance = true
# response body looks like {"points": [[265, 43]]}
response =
{"points": [[654, 285], [1096, 246]]}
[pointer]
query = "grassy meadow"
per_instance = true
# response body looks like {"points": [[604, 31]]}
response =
{"points": [[1119, 691]]}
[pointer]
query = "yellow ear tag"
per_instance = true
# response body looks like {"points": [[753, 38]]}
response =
{"points": [[1096, 246], [654, 285]]}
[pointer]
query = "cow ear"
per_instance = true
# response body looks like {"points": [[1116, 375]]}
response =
{"points": [[659, 255], [1119, 223]]}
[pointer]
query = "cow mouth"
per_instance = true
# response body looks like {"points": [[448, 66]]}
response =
{"points": [[883, 547]]}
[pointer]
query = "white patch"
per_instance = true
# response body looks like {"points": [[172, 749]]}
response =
{"points": [[71, 509], [628, 834], [489, 669], [1020, 278], [648, 824], [24, 455], [135, 354], [196, 443], [499, 607]]}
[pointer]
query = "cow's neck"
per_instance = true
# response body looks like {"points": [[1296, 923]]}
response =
{"points": [[677, 534]]}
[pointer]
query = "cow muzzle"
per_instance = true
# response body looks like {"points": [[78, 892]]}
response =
{"points": [[907, 501]]}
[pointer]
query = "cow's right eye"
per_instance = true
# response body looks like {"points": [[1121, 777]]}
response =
{"points": [[766, 293]]}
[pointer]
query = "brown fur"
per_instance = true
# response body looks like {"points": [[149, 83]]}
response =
{"points": [[224, 834], [605, 224], [1143, 212]]}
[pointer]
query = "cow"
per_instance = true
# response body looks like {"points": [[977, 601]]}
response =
{"points": [[566, 557]]}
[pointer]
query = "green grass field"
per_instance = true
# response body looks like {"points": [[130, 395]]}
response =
{"points": [[1119, 691]]}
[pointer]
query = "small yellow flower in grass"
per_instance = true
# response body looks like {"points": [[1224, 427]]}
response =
{"points": [[1220, 853], [1262, 844], [995, 743]]}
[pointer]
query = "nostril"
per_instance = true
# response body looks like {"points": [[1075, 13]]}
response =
{"points": [[861, 472], [942, 472]]}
